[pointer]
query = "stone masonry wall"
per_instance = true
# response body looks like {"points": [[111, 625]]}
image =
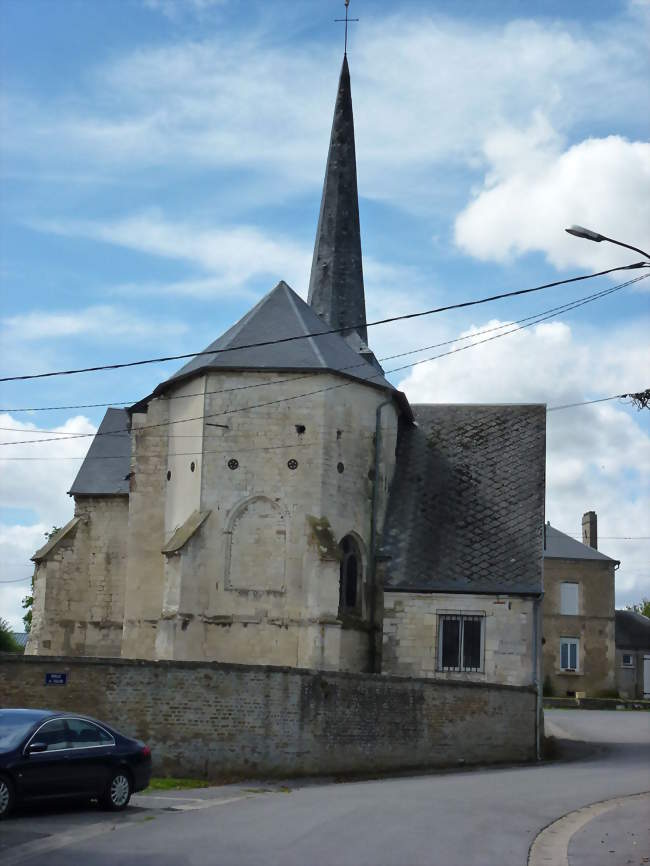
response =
{"points": [[594, 627], [281, 480], [209, 720], [410, 646], [79, 585]]}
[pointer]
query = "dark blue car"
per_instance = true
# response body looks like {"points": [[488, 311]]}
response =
{"points": [[45, 754]]}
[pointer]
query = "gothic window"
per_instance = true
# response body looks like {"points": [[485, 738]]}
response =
{"points": [[350, 575]]}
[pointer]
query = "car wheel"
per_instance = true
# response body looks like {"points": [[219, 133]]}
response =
{"points": [[119, 790], [7, 797]]}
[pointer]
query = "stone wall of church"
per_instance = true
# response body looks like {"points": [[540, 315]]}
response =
{"points": [[411, 643], [213, 720], [284, 477], [143, 601], [79, 585]]}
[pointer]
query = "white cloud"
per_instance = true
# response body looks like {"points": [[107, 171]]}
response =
{"points": [[17, 545], [41, 485], [175, 8], [246, 101], [101, 321], [598, 457], [534, 189], [232, 256]]}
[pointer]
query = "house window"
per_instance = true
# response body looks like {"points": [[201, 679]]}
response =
{"points": [[460, 641], [628, 660], [569, 653], [569, 599], [350, 576]]}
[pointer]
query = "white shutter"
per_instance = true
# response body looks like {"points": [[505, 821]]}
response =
{"points": [[569, 599]]}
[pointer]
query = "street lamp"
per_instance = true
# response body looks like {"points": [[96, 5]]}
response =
{"points": [[581, 232]]}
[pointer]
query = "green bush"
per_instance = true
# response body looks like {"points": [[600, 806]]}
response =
{"points": [[7, 641]]}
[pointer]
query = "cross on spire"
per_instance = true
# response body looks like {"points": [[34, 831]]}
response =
{"points": [[346, 20]]}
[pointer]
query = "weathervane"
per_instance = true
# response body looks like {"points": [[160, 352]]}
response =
{"points": [[346, 19]]}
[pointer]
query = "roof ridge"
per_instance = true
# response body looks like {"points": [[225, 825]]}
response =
{"points": [[298, 312]]}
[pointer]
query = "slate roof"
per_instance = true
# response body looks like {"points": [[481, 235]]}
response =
{"points": [[108, 461], [336, 281], [561, 546], [280, 314], [632, 630], [466, 506]]}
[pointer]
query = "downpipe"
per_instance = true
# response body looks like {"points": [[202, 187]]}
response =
{"points": [[372, 564]]}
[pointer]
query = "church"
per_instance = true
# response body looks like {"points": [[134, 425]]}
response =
{"points": [[278, 501]]}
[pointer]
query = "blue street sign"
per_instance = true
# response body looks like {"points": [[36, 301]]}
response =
{"points": [[56, 679]]}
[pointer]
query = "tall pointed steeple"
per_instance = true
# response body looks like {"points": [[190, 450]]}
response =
{"points": [[336, 282]]}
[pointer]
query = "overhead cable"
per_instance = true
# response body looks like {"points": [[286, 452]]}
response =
{"points": [[162, 359]]}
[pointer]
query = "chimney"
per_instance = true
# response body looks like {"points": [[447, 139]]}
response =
{"points": [[590, 529]]}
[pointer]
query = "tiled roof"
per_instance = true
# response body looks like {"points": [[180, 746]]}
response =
{"points": [[561, 546], [466, 507], [107, 463], [632, 630], [282, 314]]}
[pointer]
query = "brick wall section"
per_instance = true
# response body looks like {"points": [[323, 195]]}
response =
{"points": [[207, 720]]}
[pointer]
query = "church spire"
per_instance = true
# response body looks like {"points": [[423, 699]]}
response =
{"points": [[336, 282]]}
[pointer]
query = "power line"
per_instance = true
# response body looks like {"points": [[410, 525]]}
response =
{"points": [[588, 402], [501, 327], [539, 318], [613, 537], [404, 317], [234, 448], [563, 307]]}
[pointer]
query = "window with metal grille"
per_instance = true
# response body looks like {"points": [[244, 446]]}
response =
{"points": [[460, 641]]}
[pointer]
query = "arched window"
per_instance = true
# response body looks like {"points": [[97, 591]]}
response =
{"points": [[350, 576]]}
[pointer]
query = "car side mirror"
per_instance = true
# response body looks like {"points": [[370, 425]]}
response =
{"points": [[34, 748]]}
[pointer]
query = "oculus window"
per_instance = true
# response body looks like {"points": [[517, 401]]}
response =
{"points": [[569, 653], [460, 641]]}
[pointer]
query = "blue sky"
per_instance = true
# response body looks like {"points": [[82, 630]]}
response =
{"points": [[162, 166]]}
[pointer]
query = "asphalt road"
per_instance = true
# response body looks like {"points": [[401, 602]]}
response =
{"points": [[486, 817]]}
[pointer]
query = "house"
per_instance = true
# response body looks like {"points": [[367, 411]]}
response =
{"points": [[578, 614], [279, 501], [632, 654]]}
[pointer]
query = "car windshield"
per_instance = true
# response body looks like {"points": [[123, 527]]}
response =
{"points": [[14, 725]]}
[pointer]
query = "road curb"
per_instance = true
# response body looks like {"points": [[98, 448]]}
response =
{"points": [[551, 845]]}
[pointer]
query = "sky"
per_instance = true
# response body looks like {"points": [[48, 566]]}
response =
{"points": [[162, 164]]}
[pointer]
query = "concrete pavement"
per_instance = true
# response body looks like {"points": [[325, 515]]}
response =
{"points": [[486, 817]]}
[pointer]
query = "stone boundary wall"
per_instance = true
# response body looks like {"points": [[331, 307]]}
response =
{"points": [[596, 704], [210, 720]]}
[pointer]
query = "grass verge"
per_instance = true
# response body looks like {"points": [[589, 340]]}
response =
{"points": [[170, 783]]}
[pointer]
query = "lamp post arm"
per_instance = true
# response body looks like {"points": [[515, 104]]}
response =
{"points": [[621, 244]]}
